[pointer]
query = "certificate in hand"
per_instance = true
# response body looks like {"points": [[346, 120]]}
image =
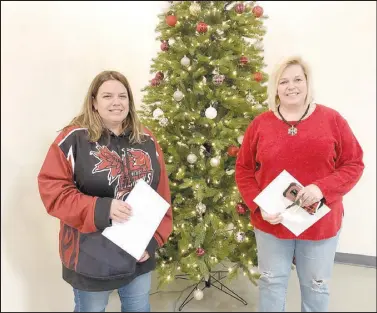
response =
{"points": [[148, 209], [279, 197]]}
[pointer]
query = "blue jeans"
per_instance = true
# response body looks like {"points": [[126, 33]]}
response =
{"points": [[314, 265], [134, 297]]}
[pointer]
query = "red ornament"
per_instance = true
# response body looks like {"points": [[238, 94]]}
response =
{"points": [[233, 151], [244, 60], [239, 8], [202, 27], [258, 11], [171, 20], [165, 45], [155, 82], [240, 207], [200, 251], [159, 76], [258, 76]]}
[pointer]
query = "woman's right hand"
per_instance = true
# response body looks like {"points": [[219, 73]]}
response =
{"points": [[120, 211], [271, 218]]}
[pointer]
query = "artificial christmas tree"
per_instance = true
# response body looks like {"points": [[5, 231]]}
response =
{"points": [[208, 87]]}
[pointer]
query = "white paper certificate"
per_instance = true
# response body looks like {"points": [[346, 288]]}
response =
{"points": [[272, 201], [148, 209]]}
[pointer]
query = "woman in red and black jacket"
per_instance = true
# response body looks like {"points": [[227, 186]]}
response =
{"points": [[89, 170], [315, 144]]}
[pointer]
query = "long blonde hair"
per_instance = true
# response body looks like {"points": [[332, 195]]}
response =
{"points": [[273, 98], [89, 118]]}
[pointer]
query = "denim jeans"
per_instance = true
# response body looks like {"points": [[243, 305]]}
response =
{"points": [[314, 265], [134, 297]]}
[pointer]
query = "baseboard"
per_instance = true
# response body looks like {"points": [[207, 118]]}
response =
{"points": [[355, 259]]}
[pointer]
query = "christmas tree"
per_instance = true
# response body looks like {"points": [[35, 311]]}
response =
{"points": [[208, 86]]}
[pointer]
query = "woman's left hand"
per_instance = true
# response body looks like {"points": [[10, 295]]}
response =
{"points": [[309, 195]]}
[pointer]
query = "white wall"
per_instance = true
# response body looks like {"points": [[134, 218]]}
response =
{"points": [[52, 50]]}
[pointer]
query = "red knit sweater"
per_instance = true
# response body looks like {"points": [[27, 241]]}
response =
{"points": [[324, 152]]}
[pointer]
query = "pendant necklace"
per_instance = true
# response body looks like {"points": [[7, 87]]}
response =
{"points": [[293, 129]]}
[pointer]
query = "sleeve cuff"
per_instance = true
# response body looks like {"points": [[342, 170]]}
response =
{"points": [[152, 246], [102, 213]]}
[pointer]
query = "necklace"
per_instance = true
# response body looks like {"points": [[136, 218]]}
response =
{"points": [[293, 129]]}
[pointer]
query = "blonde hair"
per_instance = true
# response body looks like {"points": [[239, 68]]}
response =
{"points": [[273, 98], [89, 117]]}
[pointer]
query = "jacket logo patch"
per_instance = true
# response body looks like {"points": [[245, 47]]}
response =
{"points": [[132, 165]]}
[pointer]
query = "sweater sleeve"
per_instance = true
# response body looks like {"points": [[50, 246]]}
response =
{"points": [[60, 195], [349, 165], [165, 228], [246, 168]]}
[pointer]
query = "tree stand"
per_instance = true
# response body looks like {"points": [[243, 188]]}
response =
{"points": [[214, 282]]}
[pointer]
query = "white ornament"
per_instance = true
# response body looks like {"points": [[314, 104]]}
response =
{"points": [[178, 95], [230, 228], [185, 61], [240, 236], [211, 112], [163, 121], [240, 139], [258, 106], [195, 8], [198, 294], [229, 172], [191, 158], [157, 113], [214, 162], [201, 208]]}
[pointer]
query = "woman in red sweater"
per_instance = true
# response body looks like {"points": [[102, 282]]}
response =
{"points": [[315, 144]]}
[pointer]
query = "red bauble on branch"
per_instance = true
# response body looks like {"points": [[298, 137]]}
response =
{"points": [[239, 8], [202, 27], [159, 76], [257, 11], [171, 20], [233, 151], [200, 251], [155, 82], [258, 76], [164, 45], [241, 208], [244, 60]]}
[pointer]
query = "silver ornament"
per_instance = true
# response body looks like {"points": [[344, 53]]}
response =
{"points": [[192, 158], [178, 95], [218, 79], [185, 61], [163, 121], [157, 113], [201, 208], [198, 294], [211, 112], [250, 98], [215, 162], [240, 236]]}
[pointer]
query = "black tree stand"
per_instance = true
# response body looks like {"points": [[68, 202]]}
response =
{"points": [[214, 282]]}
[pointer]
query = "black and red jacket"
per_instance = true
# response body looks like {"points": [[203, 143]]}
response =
{"points": [[77, 182]]}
